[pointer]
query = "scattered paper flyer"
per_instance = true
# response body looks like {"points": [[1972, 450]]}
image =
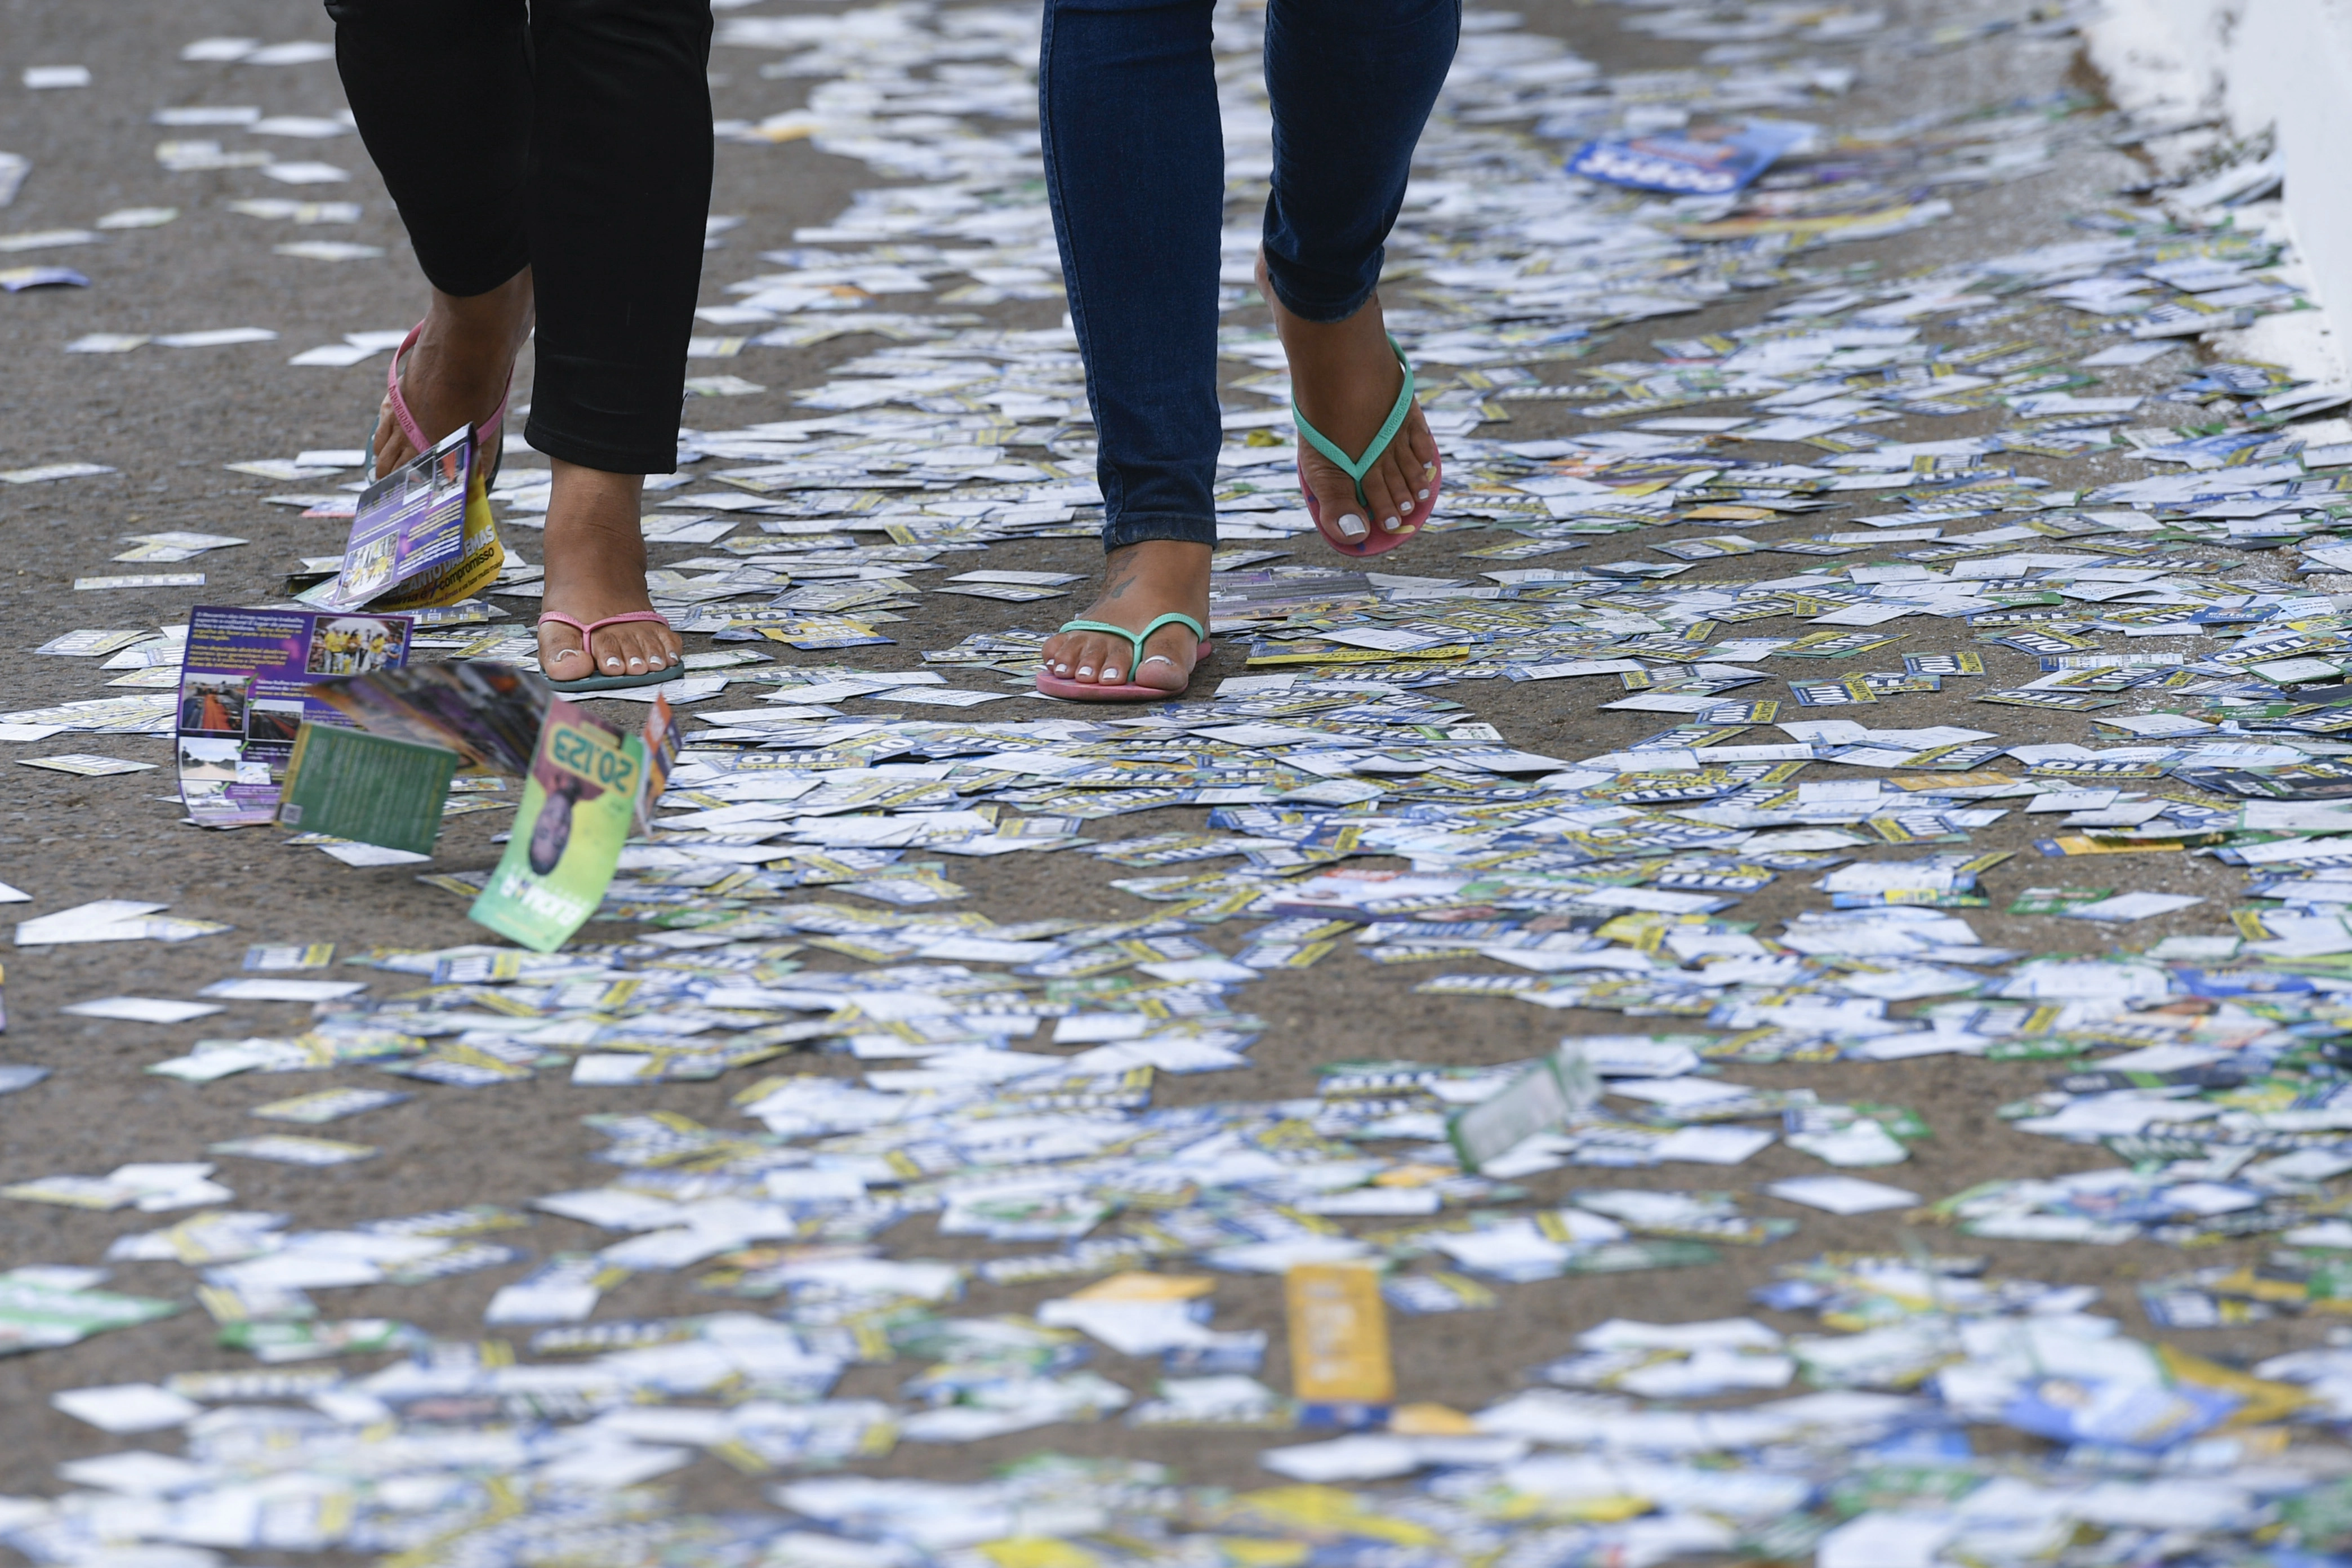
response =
{"points": [[86, 765], [245, 698], [141, 1009], [1702, 163], [422, 536], [578, 800], [1841, 1194]]}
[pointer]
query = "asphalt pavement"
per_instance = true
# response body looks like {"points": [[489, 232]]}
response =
{"points": [[168, 420]]}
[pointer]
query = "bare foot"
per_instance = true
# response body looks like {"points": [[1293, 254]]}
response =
{"points": [[456, 373], [1140, 583], [597, 567], [1345, 378]]}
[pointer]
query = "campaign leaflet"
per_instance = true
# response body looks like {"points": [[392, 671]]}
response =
{"points": [[490, 714], [1714, 161], [242, 698], [662, 743], [577, 803], [370, 789], [421, 536], [1558, 1089]]}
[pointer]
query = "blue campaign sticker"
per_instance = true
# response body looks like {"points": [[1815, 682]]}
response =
{"points": [[1714, 161]]}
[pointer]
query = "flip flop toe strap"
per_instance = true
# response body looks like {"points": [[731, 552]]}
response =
{"points": [[1173, 618], [1357, 467], [588, 630], [560, 619], [485, 435]]}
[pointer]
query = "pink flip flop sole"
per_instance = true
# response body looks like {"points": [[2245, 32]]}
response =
{"points": [[1376, 542]]}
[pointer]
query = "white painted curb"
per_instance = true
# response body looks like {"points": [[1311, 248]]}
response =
{"points": [[2284, 65]]}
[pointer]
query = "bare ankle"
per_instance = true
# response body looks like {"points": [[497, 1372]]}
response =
{"points": [[491, 325], [1156, 569], [591, 500]]}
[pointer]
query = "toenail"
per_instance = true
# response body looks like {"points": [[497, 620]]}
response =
{"points": [[1353, 527], [1110, 672], [1085, 669], [1421, 494], [1389, 523]]}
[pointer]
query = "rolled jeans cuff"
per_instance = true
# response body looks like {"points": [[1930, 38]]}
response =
{"points": [[605, 457], [1332, 305], [464, 277], [1129, 531]]}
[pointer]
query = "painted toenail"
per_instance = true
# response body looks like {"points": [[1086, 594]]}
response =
{"points": [[1085, 669], [1353, 527], [1110, 673], [1389, 523], [1421, 494]]}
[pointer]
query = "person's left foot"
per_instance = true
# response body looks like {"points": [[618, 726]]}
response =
{"points": [[456, 371], [597, 567], [1345, 378], [1141, 584]]}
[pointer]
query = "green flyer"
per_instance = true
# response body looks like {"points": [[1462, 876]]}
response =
{"points": [[576, 808], [370, 788]]}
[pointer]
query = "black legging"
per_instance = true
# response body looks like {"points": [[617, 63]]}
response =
{"points": [[572, 137]]}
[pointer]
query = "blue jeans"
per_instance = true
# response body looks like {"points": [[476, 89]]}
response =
{"points": [[1135, 169]]}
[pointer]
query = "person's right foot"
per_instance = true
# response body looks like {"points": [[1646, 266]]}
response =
{"points": [[1345, 378], [457, 370], [1141, 584], [595, 568]]}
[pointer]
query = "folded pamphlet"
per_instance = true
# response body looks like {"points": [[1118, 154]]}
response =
{"points": [[247, 690], [488, 713], [421, 536]]}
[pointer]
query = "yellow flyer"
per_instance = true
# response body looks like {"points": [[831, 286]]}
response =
{"points": [[1339, 1369]]}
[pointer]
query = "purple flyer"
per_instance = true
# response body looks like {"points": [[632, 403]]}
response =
{"points": [[241, 702]]}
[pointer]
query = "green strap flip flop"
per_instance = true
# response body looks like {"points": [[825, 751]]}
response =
{"points": [[1126, 691], [1372, 543]]}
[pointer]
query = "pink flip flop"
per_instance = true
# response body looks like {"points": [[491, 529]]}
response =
{"points": [[1379, 540], [587, 630], [487, 444], [1127, 691]]}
